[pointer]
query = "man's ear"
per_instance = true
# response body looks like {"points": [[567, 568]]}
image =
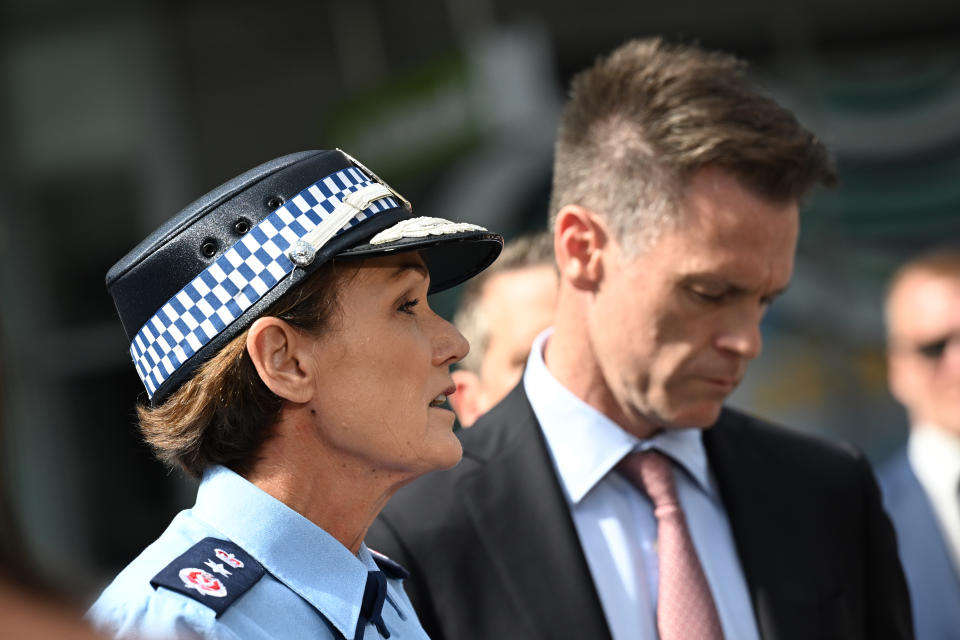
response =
{"points": [[279, 353], [579, 239], [466, 402]]}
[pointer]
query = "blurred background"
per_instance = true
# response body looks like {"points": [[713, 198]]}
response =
{"points": [[114, 115]]}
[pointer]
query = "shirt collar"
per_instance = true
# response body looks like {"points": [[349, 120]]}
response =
{"points": [[934, 454], [294, 550], [586, 445]]}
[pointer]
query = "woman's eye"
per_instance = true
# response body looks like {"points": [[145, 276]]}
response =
{"points": [[407, 307]]}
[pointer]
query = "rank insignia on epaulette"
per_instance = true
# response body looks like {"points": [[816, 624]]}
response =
{"points": [[217, 586], [391, 568]]}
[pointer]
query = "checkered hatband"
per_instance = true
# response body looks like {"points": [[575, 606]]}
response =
{"points": [[241, 276]]}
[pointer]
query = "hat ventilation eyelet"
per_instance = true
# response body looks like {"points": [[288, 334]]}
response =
{"points": [[209, 248], [274, 202], [241, 226]]}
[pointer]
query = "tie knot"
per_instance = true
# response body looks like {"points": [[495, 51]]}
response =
{"points": [[652, 472]]}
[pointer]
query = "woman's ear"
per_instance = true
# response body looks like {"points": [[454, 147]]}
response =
{"points": [[279, 353], [579, 240]]}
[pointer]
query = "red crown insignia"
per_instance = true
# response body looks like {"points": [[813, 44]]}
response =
{"points": [[229, 558]]}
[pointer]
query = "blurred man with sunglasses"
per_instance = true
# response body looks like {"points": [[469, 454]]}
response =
{"points": [[921, 484]]}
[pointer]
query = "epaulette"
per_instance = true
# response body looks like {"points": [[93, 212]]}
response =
{"points": [[390, 567], [212, 572]]}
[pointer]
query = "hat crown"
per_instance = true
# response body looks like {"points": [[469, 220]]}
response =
{"points": [[170, 257]]}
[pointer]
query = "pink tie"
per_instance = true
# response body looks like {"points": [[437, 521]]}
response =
{"points": [[685, 609]]}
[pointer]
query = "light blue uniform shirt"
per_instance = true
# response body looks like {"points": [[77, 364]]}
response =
{"points": [[309, 576], [615, 521]]}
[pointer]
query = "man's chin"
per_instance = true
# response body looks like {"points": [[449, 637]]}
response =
{"points": [[702, 416], [952, 426]]}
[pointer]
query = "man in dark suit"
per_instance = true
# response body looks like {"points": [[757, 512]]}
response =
{"points": [[921, 483], [610, 495]]}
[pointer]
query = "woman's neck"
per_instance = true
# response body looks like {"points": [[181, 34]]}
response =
{"points": [[341, 496]]}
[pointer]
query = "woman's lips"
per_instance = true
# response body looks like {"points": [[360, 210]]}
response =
{"points": [[441, 398]]}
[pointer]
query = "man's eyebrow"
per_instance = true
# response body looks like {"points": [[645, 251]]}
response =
{"points": [[732, 288]]}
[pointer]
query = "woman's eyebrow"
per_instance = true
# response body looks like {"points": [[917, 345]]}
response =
{"points": [[411, 266]]}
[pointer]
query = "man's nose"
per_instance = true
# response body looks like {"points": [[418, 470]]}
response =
{"points": [[742, 336]]}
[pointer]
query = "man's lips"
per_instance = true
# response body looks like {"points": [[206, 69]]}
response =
{"points": [[720, 382]]}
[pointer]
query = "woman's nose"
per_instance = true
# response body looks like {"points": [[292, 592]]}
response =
{"points": [[449, 345]]}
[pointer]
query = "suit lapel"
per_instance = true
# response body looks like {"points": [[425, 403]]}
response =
{"points": [[764, 531], [934, 583], [521, 516]]}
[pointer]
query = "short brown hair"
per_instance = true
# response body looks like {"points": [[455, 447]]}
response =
{"points": [[644, 119], [224, 412], [939, 262], [531, 250]]}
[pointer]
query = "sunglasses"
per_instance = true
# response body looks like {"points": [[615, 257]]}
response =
{"points": [[935, 349]]}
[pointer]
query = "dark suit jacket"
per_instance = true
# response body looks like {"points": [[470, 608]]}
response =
{"points": [[933, 581], [494, 555]]}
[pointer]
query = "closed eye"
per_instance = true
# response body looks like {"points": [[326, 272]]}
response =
{"points": [[715, 298], [729, 295]]}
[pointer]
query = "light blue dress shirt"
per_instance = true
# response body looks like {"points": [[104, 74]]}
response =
{"points": [[311, 579], [615, 521]]}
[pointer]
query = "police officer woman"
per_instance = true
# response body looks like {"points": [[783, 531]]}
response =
{"points": [[280, 325]]}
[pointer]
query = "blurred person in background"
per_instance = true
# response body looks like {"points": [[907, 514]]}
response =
{"points": [[29, 608], [281, 328], [27, 614], [611, 494], [502, 310], [921, 482]]}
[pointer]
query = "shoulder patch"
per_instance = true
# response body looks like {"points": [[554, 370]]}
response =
{"points": [[390, 567], [213, 572]]}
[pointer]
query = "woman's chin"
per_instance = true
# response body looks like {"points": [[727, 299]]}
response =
{"points": [[447, 453]]}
